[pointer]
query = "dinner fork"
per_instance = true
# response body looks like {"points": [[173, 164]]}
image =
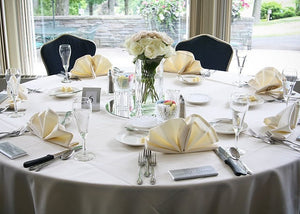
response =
{"points": [[147, 155], [15, 133], [153, 164], [141, 163], [270, 135]]}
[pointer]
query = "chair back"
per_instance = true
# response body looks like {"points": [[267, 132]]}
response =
{"points": [[79, 47], [212, 52]]}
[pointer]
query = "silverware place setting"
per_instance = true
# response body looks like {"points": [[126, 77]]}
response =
{"points": [[15, 133], [146, 161]]}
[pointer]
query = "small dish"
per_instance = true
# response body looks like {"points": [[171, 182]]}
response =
{"points": [[197, 98], [63, 92], [130, 138], [224, 126], [255, 100], [143, 122], [189, 79]]}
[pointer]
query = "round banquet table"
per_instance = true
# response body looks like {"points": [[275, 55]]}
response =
{"points": [[107, 184]]}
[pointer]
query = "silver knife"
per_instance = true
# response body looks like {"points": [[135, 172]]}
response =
{"points": [[236, 167], [47, 157]]}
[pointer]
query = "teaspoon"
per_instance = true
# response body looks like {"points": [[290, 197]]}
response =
{"points": [[236, 155]]}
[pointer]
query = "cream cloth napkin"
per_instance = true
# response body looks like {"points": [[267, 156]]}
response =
{"points": [[22, 91], [285, 121], [88, 66], [46, 126], [182, 62], [267, 81], [192, 134]]}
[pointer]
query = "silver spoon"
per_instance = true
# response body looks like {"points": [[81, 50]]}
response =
{"points": [[3, 109], [236, 155]]}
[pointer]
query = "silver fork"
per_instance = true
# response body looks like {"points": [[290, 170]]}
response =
{"points": [[15, 133], [153, 164], [141, 163], [147, 155], [270, 135]]}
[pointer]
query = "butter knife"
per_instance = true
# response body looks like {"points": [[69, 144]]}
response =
{"points": [[48, 157], [233, 164]]}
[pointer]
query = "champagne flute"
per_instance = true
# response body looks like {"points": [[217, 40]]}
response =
{"points": [[289, 78], [65, 54], [13, 77], [82, 109], [241, 55], [239, 105]]}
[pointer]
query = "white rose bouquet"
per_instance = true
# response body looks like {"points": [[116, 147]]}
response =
{"points": [[150, 47]]}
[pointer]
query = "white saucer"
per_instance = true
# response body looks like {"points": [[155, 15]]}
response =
{"points": [[258, 101], [143, 122], [130, 138], [57, 92], [197, 98], [189, 79], [224, 126]]}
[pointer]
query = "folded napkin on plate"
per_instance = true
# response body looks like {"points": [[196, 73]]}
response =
{"points": [[88, 66], [192, 134], [182, 62], [285, 121], [46, 126], [267, 81]]}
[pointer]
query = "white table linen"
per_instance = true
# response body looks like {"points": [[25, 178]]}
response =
{"points": [[107, 184]]}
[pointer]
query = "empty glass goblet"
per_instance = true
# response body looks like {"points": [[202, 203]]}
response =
{"points": [[82, 109], [13, 78], [65, 54], [289, 78], [239, 105], [241, 55]]}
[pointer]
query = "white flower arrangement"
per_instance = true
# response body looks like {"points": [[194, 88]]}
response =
{"points": [[149, 44]]}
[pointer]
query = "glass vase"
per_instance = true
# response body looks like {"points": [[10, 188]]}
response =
{"points": [[148, 85]]}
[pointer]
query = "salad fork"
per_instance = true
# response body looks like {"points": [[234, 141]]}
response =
{"points": [[153, 164], [141, 163], [147, 155]]}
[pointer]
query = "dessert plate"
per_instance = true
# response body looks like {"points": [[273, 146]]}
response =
{"points": [[189, 79], [224, 126], [143, 122], [61, 92], [130, 138], [197, 98]]}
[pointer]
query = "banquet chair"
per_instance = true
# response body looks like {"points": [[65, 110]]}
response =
{"points": [[213, 53], [79, 47]]}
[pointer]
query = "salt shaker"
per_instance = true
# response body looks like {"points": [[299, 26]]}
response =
{"points": [[181, 107], [110, 82]]}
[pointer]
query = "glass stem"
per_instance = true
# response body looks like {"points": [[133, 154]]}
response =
{"points": [[237, 135], [66, 74], [15, 104]]}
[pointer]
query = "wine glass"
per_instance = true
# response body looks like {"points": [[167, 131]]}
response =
{"points": [[239, 105], [289, 78], [241, 55], [13, 77], [65, 54], [82, 109]]}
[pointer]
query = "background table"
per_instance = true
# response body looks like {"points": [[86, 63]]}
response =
{"points": [[107, 184]]}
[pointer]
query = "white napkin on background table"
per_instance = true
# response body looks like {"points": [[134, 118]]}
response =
{"points": [[285, 121], [192, 134], [46, 126]]}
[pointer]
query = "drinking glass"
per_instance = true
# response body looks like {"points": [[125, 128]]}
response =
{"points": [[241, 55], [13, 77], [239, 105], [289, 78], [82, 109], [65, 54]]}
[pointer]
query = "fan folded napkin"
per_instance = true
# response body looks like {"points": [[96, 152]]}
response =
{"points": [[285, 121], [88, 66], [267, 81], [46, 126], [192, 134], [182, 62]]}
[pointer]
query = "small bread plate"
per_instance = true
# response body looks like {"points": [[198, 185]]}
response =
{"points": [[224, 126], [64, 92], [143, 122], [189, 79], [255, 100], [130, 138], [197, 98]]}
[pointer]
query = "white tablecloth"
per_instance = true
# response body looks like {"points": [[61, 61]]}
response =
{"points": [[107, 184]]}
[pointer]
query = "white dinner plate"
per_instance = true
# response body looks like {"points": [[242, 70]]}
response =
{"points": [[224, 126], [130, 138], [143, 122], [57, 92], [197, 98], [189, 79]]}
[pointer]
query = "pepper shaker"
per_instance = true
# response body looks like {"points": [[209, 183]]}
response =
{"points": [[181, 107], [110, 82]]}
